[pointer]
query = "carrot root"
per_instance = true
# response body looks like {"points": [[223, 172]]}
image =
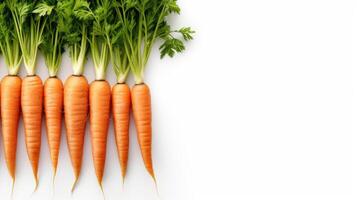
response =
{"points": [[31, 104], [53, 105], [141, 103], [121, 102], [76, 92], [99, 98], [10, 115]]}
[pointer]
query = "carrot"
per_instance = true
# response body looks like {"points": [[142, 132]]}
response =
{"points": [[100, 90], [141, 104], [99, 98], [31, 104], [121, 103], [10, 112], [76, 91], [121, 92], [10, 88], [52, 47], [74, 25], [53, 105]]}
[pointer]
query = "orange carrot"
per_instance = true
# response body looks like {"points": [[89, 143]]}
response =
{"points": [[31, 104], [53, 105], [10, 112], [76, 88], [141, 103], [121, 103], [99, 98], [76, 91]]}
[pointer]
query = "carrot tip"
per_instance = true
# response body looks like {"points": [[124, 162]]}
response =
{"points": [[101, 188], [12, 187], [123, 182], [53, 180], [54, 176], [36, 184], [74, 185], [155, 182], [123, 175], [153, 176], [157, 191]]}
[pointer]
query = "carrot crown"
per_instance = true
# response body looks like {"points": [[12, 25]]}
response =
{"points": [[29, 19], [9, 42], [143, 23], [120, 62]]}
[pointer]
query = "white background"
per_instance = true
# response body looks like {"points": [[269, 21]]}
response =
{"points": [[262, 105]]}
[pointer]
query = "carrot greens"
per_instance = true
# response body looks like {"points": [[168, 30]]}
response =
{"points": [[74, 18], [100, 36], [29, 18], [144, 22], [115, 39], [9, 42], [52, 46]]}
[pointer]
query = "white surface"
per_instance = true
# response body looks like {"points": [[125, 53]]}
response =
{"points": [[261, 106]]}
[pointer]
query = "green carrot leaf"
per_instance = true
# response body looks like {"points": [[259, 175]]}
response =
{"points": [[43, 9], [173, 7], [186, 33], [171, 46]]}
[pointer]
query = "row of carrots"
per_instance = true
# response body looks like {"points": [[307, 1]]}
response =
{"points": [[120, 32], [77, 99]]}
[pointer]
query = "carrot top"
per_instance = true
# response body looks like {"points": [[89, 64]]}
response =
{"points": [[115, 38], [100, 32], [75, 16], [119, 60], [29, 19], [9, 42], [52, 46], [144, 21]]}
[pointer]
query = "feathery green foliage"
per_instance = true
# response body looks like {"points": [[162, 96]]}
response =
{"points": [[144, 21], [74, 18], [99, 33], [114, 30], [123, 30], [107, 40], [29, 18], [52, 46], [9, 43]]}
